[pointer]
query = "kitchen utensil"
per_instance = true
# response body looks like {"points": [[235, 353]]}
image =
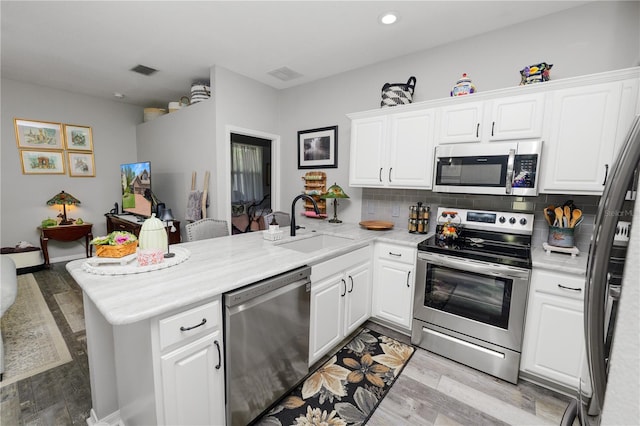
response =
{"points": [[575, 217], [558, 211], [547, 216], [567, 216]]}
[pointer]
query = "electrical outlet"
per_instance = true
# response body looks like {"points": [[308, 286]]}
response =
{"points": [[395, 210]]}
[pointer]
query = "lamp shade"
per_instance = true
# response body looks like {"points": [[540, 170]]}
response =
{"points": [[64, 199], [334, 191]]}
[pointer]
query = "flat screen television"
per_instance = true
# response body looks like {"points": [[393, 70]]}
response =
{"points": [[136, 188]]}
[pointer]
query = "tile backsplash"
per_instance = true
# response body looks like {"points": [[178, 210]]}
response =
{"points": [[393, 205]]}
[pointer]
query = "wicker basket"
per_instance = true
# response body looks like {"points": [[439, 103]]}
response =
{"points": [[116, 251]]}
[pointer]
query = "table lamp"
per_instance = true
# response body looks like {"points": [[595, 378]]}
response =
{"points": [[64, 199], [334, 192], [167, 216]]}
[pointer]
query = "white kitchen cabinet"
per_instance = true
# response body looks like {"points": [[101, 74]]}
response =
{"points": [[340, 300], [392, 150], [507, 118], [588, 125], [193, 383], [553, 345], [394, 283]]}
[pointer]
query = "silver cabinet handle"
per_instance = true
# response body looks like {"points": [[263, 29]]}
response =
{"points": [[395, 254], [380, 175], [569, 288], [390, 168], [351, 279], [606, 173], [219, 356], [408, 275], [345, 287], [478, 130], [493, 125]]}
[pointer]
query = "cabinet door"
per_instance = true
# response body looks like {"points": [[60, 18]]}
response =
{"points": [[393, 292], [516, 117], [327, 300], [579, 153], [410, 150], [367, 151], [193, 388], [358, 302], [554, 346], [460, 123]]}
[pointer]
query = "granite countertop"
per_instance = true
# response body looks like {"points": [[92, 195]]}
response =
{"points": [[216, 266], [560, 262]]}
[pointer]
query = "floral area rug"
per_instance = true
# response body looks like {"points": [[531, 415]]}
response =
{"points": [[348, 388]]}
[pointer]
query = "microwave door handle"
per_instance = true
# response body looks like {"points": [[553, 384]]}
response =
{"points": [[510, 165]]}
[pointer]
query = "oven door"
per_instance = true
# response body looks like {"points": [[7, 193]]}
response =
{"points": [[483, 300]]}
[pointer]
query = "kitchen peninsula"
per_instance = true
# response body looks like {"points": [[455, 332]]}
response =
{"points": [[127, 315]]}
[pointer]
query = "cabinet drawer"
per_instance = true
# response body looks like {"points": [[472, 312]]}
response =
{"points": [[193, 322], [340, 263], [557, 283], [396, 253]]}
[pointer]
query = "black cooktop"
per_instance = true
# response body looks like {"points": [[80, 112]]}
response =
{"points": [[486, 246]]}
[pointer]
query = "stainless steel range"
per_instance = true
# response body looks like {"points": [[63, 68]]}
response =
{"points": [[471, 291]]}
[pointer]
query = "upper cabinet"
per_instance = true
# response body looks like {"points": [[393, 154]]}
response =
{"points": [[588, 127], [392, 150], [508, 118]]}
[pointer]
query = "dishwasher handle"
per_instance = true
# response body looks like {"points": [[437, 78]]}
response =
{"points": [[269, 285]]}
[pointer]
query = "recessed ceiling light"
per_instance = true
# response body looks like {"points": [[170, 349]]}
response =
{"points": [[118, 95], [388, 18]]}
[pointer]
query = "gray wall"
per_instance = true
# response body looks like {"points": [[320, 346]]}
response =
{"points": [[598, 37], [24, 197]]}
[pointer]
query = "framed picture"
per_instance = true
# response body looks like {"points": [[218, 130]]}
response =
{"points": [[78, 138], [318, 148], [38, 134], [37, 162], [81, 164]]}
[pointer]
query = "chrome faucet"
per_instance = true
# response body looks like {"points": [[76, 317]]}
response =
{"points": [[293, 211]]}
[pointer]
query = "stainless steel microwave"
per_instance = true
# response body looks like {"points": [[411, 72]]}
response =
{"points": [[499, 168]]}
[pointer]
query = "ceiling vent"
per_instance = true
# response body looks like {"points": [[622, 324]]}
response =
{"points": [[144, 70], [284, 74]]}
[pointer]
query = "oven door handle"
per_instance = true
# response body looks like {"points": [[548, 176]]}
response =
{"points": [[475, 266]]}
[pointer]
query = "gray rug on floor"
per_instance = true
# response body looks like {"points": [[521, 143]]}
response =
{"points": [[32, 341]]}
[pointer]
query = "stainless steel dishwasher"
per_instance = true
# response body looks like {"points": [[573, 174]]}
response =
{"points": [[266, 334]]}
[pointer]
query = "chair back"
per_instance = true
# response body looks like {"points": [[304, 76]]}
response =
{"points": [[206, 228]]}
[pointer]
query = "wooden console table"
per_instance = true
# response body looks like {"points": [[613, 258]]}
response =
{"points": [[65, 233], [114, 223]]}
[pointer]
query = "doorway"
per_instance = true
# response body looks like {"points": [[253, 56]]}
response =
{"points": [[251, 181]]}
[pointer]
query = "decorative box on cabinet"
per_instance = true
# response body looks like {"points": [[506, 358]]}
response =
{"points": [[553, 346], [508, 118], [340, 300], [392, 150], [394, 284], [115, 223]]}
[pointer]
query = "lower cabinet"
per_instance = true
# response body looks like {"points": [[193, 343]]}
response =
{"points": [[340, 300], [192, 383], [553, 347], [394, 283]]}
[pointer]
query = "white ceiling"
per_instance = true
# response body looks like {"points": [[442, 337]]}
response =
{"points": [[90, 46]]}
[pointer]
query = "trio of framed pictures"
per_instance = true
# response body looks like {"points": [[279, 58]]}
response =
{"points": [[50, 148]]}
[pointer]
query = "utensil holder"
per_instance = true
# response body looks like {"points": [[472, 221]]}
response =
{"points": [[561, 237]]}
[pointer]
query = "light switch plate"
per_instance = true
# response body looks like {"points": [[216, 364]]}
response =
{"points": [[395, 210]]}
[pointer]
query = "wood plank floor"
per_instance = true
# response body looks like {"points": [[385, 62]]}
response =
{"points": [[431, 390]]}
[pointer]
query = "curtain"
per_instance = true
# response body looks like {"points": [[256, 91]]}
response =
{"points": [[246, 172]]}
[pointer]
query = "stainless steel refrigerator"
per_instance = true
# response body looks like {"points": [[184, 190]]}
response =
{"points": [[611, 319]]}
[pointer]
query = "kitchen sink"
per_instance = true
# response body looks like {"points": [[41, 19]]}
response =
{"points": [[314, 243]]}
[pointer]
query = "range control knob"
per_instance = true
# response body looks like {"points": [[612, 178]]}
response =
{"points": [[502, 219], [512, 220], [523, 221]]}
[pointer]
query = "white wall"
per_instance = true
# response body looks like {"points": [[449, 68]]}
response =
{"points": [[178, 144], [24, 197], [597, 37]]}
